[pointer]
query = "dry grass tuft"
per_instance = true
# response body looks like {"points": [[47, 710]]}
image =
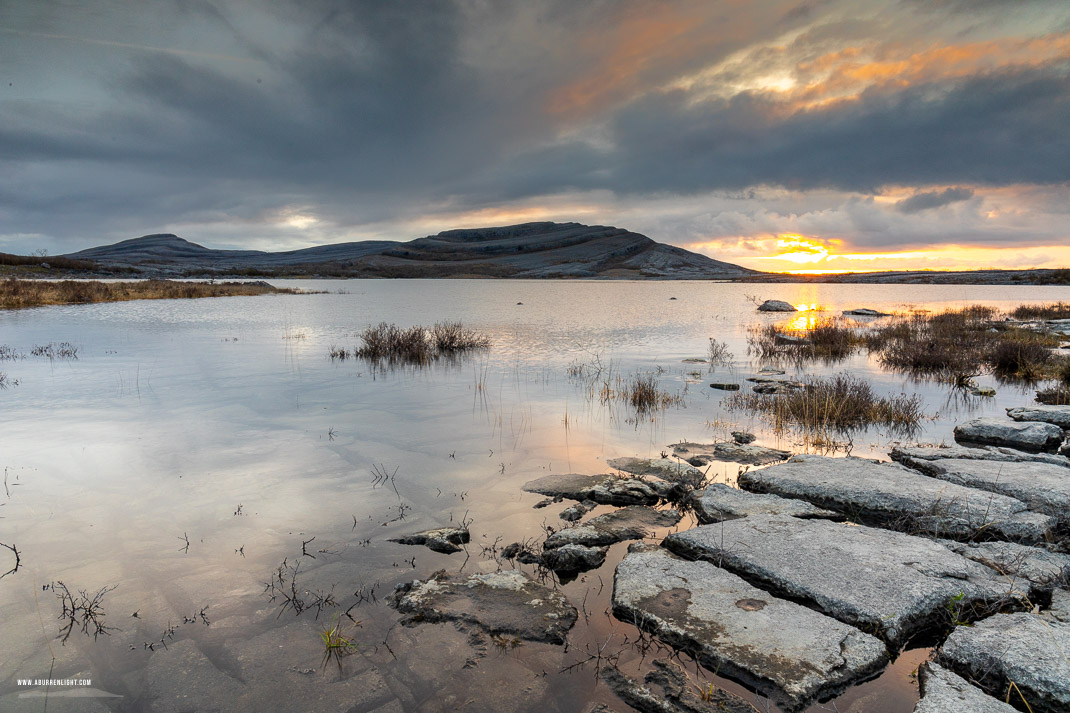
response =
{"points": [[833, 405], [418, 345]]}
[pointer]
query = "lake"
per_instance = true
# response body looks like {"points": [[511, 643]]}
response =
{"points": [[194, 445]]}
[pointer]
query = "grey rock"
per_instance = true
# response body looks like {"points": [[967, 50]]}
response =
{"points": [[1026, 435], [944, 692], [1057, 415], [864, 312], [1064, 449], [673, 471], [724, 386], [1028, 649], [728, 451], [574, 512], [667, 689], [631, 523], [1043, 487], [777, 387], [782, 649], [879, 580], [743, 437], [602, 489], [917, 457], [443, 539], [982, 391], [892, 495], [1042, 568], [574, 558], [1060, 606], [720, 502], [769, 371], [500, 603], [776, 306]]}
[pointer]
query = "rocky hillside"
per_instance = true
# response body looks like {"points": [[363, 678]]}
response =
{"points": [[530, 250]]}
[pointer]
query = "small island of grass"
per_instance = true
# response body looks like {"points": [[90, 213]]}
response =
{"points": [[17, 294]]}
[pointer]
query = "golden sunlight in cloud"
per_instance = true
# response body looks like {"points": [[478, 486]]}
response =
{"points": [[802, 255]]}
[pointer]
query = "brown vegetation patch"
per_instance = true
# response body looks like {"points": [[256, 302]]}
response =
{"points": [[16, 293]]}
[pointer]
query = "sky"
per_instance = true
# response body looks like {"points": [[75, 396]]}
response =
{"points": [[794, 135]]}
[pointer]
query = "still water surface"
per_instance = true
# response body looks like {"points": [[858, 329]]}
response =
{"points": [[224, 423]]}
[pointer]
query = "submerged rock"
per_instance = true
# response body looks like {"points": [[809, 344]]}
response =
{"points": [[892, 495], [443, 539], [603, 489], [1056, 415], [667, 689], [721, 502], [777, 387], [887, 582], [631, 523], [500, 603], [673, 471], [784, 650], [1026, 435], [574, 558], [723, 386], [1028, 649], [865, 312], [776, 306], [1043, 487], [730, 451], [944, 692]]}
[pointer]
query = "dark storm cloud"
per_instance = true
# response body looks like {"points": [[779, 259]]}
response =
{"points": [[933, 199], [995, 130], [366, 111]]}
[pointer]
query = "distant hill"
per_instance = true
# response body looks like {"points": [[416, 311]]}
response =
{"points": [[529, 250]]}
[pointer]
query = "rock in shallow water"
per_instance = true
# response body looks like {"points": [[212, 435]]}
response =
{"points": [[730, 452], [1041, 486], [667, 689], [1028, 649], [573, 558], [500, 603], [673, 471], [878, 580], [721, 502], [786, 651], [890, 494], [776, 306], [603, 489], [1026, 435], [944, 692], [918, 457], [1057, 415], [443, 539], [631, 523]]}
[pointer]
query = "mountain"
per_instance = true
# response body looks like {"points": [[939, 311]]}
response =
{"points": [[529, 250]]}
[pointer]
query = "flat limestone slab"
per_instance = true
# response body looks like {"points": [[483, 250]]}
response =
{"points": [[878, 580], [1058, 415], [631, 523], [604, 489], [500, 603], [1042, 487], [1029, 435], [944, 692], [918, 457], [1042, 568], [721, 502], [1029, 649], [890, 494], [788, 652], [673, 471]]}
